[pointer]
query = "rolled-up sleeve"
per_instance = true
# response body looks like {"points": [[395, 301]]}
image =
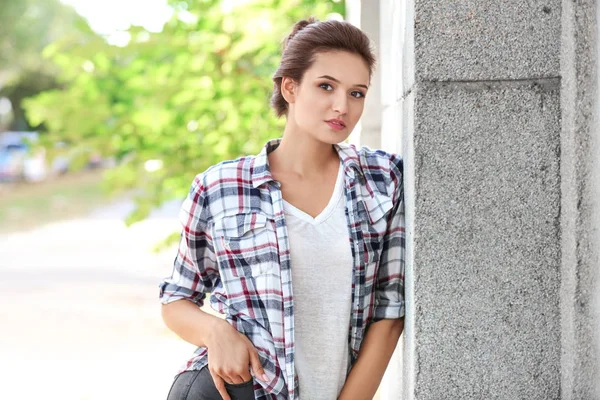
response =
{"points": [[389, 290], [194, 269]]}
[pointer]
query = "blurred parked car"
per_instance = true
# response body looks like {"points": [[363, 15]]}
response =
{"points": [[11, 156], [17, 162]]}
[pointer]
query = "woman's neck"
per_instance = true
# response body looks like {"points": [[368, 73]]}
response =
{"points": [[301, 154]]}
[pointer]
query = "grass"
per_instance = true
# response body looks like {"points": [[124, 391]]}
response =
{"points": [[24, 206]]}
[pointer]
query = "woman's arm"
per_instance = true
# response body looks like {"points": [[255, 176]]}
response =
{"points": [[195, 273], [382, 335], [375, 353], [230, 355], [192, 324]]}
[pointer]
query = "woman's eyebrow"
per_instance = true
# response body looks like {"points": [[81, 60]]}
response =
{"points": [[337, 81]]}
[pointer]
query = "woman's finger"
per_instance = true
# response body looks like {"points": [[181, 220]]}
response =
{"points": [[242, 379], [259, 372], [220, 385]]}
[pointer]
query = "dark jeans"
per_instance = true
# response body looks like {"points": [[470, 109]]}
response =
{"points": [[199, 385]]}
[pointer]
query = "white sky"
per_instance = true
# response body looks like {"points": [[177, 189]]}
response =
{"points": [[110, 16]]}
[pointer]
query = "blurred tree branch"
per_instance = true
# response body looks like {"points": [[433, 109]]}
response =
{"points": [[26, 28], [188, 97]]}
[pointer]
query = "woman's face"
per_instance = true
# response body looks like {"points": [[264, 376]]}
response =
{"points": [[331, 98]]}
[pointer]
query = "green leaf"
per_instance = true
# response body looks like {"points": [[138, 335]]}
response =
{"points": [[193, 95]]}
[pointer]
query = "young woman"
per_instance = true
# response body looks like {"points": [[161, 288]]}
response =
{"points": [[301, 246]]}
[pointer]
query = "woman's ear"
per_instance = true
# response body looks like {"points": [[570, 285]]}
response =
{"points": [[289, 89]]}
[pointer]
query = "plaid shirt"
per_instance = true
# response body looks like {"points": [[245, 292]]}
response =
{"points": [[234, 244]]}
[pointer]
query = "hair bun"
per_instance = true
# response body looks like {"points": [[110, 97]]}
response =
{"points": [[298, 26]]}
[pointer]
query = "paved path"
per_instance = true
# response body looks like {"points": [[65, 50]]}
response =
{"points": [[79, 311], [79, 315]]}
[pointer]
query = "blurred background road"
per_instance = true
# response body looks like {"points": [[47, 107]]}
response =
{"points": [[79, 309], [132, 98]]}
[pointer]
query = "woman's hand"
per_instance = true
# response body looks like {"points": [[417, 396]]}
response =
{"points": [[230, 357]]}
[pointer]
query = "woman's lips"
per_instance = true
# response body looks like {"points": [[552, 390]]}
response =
{"points": [[335, 124]]}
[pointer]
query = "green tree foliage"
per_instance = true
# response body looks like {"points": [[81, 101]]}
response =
{"points": [[26, 28], [190, 96]]}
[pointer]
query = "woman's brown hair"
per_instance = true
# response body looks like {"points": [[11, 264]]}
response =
{"points": [[310, 37]]}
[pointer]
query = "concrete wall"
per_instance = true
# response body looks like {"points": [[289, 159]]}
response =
{"points": [[368, 131], [580, 172], [494, 106]]}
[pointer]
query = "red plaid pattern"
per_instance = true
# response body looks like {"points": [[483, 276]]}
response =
{"points": [[234, 244]]}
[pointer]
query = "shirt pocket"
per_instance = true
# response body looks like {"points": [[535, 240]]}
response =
{"points": [[246, 244], [374, 229]]}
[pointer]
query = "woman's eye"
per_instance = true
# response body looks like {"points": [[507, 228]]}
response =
{"points": [[358, 95], [326, 86]]}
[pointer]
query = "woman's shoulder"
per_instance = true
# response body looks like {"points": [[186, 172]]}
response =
{"points": [[216, 191], [375, 163], [227, 172], [222, 179]]}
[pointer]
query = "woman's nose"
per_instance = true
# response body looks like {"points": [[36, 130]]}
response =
{"points": [[340, 104]]}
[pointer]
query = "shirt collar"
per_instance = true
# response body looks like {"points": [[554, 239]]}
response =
{"points": [[261, 173]]}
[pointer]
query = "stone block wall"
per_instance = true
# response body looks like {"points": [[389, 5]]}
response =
{"points": [[494, 107]]}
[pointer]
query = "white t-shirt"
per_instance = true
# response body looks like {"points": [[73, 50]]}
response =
{"points": [[321, 263]]}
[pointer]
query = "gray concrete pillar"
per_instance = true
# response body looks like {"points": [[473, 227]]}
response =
{"points": [[482, 149], [580, 186], [371, 121], [495, 107], [365, 15], [392, 33]]}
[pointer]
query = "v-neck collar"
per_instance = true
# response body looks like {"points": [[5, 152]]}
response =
{"points": [[338, 191]]}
